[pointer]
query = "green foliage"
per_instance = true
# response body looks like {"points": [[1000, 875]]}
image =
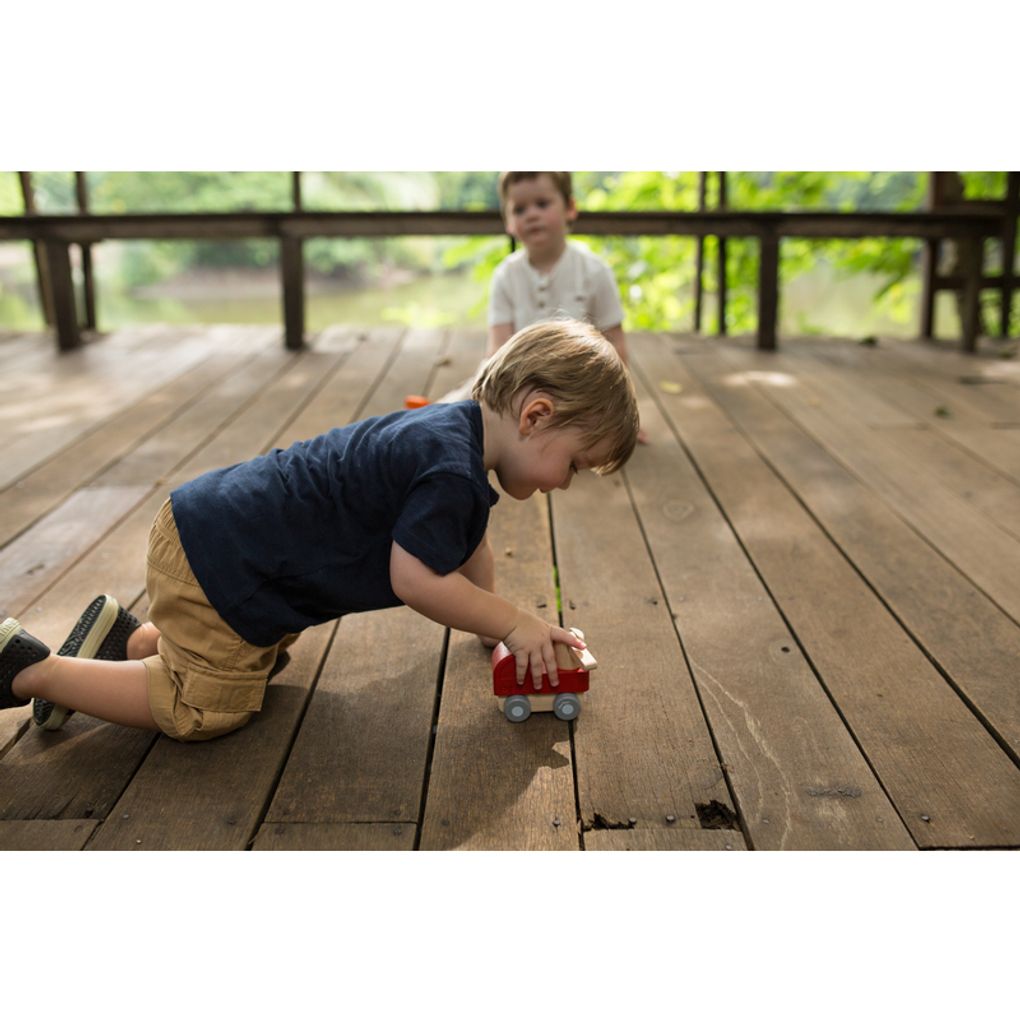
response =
{"points": [[656, 275], [10, 195], [983, 184]]}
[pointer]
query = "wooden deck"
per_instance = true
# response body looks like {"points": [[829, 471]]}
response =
{"points": [[804, 596]]}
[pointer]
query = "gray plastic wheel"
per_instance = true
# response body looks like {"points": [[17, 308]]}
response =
{"points": [[517, 708], [566, 706]]}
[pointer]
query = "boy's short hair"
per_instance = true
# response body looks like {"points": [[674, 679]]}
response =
{"points": [[573, 363], [561, 178]]}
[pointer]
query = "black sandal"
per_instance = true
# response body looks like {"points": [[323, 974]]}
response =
{"points": [[18, 649], [101, 632]]}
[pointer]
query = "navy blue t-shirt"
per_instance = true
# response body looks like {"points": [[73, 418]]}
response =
{"points": [[300, 536]]}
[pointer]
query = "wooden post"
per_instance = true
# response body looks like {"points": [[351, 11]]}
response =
{"points": [[721, 204], [295, 189], [970, 305], [1011, 212], [81, 191], [42, 276], [699, 262], [65, 313], [768, 291], [292, 270], [929, 267]]}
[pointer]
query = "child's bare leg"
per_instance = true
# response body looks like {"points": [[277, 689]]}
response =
{"points": [[142, 642], [115, 691]]}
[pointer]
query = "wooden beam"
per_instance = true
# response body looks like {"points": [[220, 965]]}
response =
{"points": [[65, 314], [725, 223], [957, 281], [81, 191], [768, 292], [292, 270]]}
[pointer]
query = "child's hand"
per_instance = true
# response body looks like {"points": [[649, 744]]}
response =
{"points": [[531, 642]]}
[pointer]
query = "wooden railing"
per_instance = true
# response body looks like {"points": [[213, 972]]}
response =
{"points": [[54, 235]]}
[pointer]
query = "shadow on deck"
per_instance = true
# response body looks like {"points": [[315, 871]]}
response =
{"points": [[802, 594]]}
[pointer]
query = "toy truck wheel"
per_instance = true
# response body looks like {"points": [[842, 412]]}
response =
{"points": [[517, 708], [566, 706]]}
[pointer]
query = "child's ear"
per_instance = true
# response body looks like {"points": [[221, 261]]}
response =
{"points": [[571, 211], [536, 413]]}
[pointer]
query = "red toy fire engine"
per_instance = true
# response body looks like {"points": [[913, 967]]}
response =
{"points": [[574, 666]]}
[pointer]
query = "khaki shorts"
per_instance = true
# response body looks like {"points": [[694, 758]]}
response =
{"points": [[205, 680]]}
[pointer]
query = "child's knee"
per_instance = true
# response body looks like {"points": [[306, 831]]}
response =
{"points": [[222, 705], [193, 724]]}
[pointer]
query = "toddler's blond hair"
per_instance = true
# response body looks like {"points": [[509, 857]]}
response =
{"points": [[579, 369]]}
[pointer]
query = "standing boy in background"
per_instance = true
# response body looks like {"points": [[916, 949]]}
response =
{"points": [[549, 277]]}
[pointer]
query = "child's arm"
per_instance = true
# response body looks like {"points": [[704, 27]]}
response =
{"points": [[454, 601], [498, 335], [480, 569]]}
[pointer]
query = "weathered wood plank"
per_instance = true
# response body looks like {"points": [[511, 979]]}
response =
{"points": [[211, 796], [50, 408], [80, 462], [338, 836], [664, 839], [75, 772], [994, 402], [459, 363], [963, 631], [71, 834], [798, 778], [642, 745], [33, 561], [362, 750], [975, 544], [495, 785], [998, 448], [860, 401], [949, 780], [976, 484], [13, 724], [419, 352]]}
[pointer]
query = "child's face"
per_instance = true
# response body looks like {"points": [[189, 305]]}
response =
{"points": [[546, 459], [537, 215]]}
